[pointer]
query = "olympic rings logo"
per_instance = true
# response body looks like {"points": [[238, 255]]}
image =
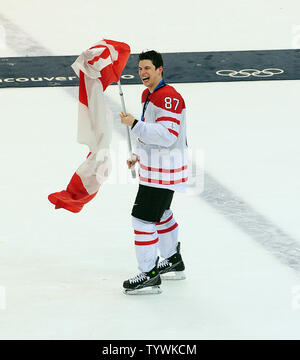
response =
{"points": [[250, 72]]}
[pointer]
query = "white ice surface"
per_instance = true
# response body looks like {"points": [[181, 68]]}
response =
{"points": [[63, 272]]}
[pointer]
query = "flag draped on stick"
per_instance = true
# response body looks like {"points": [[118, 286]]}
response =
{"points": [[96, 68]]}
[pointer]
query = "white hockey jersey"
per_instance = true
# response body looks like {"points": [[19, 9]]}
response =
{"points": [[161, 140]]}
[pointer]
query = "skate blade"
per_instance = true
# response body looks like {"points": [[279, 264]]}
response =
{"points": [[173, 275], [145, 291]]}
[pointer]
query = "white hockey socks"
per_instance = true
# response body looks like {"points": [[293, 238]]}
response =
{"points": [[146, 243], [167, 230]]}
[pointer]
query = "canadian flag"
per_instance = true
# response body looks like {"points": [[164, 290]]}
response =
{"points": [[96, 68]]}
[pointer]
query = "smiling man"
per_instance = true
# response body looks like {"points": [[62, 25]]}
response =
{"points": [[161, 154]]}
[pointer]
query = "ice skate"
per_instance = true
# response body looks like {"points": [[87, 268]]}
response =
{"points": [[143, 284], [172, 267]]}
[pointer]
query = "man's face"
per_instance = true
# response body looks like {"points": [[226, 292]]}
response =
{"points": [[149, 75]]}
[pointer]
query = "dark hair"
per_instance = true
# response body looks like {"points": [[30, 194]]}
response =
{"points": [[154, 56]]}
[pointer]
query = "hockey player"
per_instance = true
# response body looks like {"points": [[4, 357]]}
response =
{"points": [[161, 155]]}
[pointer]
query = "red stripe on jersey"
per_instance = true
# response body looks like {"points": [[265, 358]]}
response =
{"points": [[168, 171], [168, 229], [163, 222], [163, 182], [143, 232], [167, 118], [146, 242], [173, 132]]}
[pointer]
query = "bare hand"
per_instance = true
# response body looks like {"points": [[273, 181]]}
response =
{"points": [[127, 119], [131, 162]]}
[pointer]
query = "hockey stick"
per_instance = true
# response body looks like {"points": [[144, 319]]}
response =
{"points": [[133, 173]]}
